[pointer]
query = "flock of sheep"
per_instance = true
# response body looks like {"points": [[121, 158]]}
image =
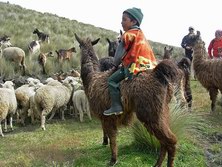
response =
{"points": [[38, 100]]}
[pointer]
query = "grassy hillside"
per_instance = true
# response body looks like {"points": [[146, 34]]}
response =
{"points": [[19, 23]]}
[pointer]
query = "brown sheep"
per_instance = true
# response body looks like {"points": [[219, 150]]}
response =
{"points": [[42, 58], [207, 71], [64, 54], [147, 95]]}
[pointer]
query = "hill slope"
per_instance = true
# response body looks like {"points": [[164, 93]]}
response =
{"points": [[19, 23]]}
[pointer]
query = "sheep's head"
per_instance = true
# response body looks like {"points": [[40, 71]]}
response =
{"points": [[8, 84]]}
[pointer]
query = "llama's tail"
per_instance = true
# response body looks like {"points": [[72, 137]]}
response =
{"points": [[166, 72]]}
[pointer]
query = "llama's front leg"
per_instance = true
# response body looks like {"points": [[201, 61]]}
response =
{"points": [[213, 96], [105, 136]]}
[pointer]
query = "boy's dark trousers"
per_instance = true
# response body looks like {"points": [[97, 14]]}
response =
{"points": [[114, 90]]}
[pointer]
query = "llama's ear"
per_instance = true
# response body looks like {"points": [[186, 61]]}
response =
{"points": [[95, 41], [121, 32], [171, 49], [108, 40], [78, 39]]}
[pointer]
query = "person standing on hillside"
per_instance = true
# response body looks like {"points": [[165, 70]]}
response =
{"points": [[133, 53], [186, 43], [215, 46]]}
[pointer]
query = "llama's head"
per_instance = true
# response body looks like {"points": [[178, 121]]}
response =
{"points": [[168, 51], [196, 40], [87, 42], [86, 46], [112, 47], [88, 55]]}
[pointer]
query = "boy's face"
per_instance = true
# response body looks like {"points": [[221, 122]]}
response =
{"points": [[127, 23]]}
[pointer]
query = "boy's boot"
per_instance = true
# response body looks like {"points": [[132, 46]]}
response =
{"points": [[116, 106]]}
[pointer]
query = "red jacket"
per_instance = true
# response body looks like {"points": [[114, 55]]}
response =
{"points": [[215, 46], [139, 56]]}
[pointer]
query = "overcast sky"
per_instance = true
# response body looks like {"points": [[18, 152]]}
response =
{"points": [[164, 21]]}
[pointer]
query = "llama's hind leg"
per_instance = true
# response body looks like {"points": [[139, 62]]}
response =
{"points": [[213, 97], [112, 137], [171, 155], [162, 155], [110, 128], [168, 141], [189, 97]]}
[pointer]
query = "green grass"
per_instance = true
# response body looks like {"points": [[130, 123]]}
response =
{"points": [[70, 143], [73, 144]]}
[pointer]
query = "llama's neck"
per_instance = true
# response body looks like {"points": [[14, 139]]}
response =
{"points": [[199, 54], [89, 65]]}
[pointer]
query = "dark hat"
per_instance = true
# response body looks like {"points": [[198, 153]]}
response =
{"points": [[191, 28], [136, 13]]}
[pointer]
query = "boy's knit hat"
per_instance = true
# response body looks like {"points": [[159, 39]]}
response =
{"points": [[136, 13]]}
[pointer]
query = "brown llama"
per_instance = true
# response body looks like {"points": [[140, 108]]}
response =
{"points": [[168, 51], [42, 58], [65, 54], [207, 71], [147, 96], [107, 62], [184, 66]]}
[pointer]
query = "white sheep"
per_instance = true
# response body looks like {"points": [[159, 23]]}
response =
{"points": [[81, 104], [16, 55], [50, 98], [23, 94], [8, 104], [33, 81]]}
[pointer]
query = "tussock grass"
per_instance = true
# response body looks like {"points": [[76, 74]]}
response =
{"points": [[181, 122]]}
